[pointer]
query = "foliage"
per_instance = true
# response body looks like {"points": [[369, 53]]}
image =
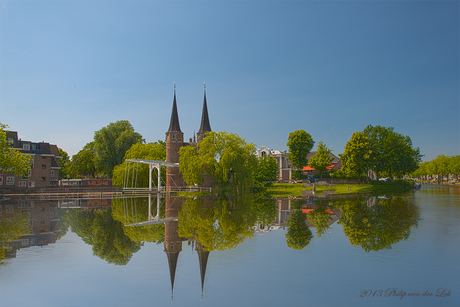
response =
{"points": [[225, 157], [300, 144], [11, 229], [320, 218], [321, 160], [106, 235], [12, 160], [122, 210], [112, 142], [64, 164], [377, 223], [149, 151], [217, 223], [265, 210], [267, 169], [391, 153], [83, 164], [356, 156], [298, 234], [441, 165]]}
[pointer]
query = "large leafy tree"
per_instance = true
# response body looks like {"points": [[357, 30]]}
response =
{"points": [[356, 155], [298, 234], [267, 169], [322, 159], [388, 152], [11, 160], [224, 156], [112, 142], [149, 151], [82, 163], [321, 219], [300, 144]]}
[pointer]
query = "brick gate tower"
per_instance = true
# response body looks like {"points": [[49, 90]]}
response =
{"points": [[175, 140]]}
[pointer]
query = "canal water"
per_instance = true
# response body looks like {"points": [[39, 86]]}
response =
{"points": [[235, 251]]}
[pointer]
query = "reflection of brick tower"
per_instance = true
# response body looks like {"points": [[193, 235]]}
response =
{"points": [[174, 141], [173, 243]]}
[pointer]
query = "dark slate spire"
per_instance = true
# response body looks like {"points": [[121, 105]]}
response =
{"points": [[205, 125], [174, 123], [203, 259], [172, 261]]}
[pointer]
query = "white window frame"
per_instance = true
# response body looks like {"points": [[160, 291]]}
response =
{"points": [[31, 184], [26, 147], [52, 173]]}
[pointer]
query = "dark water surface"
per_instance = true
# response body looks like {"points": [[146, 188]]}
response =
{"points": [[381, 251]]}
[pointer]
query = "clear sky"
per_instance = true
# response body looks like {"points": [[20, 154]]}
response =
{"points": [[69, 68]]}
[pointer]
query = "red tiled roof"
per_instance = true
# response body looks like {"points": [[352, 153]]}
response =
{"points": [[308, 168]]}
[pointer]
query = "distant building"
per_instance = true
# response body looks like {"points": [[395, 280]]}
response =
{"points": [[284, 164], [45, 165], [336, 164]]}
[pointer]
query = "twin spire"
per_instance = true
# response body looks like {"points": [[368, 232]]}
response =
{"points": [[205, 126]]}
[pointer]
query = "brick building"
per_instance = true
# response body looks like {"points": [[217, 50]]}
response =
{"points": [[284, 164], [45, 165], [175, 140]]}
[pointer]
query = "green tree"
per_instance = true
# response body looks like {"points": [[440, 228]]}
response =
{"points": [[149, 151], [64, 164], [391, 153], [225, 157], [11, 160], [267, 169], [112, 142], [82, 163], [322, 159], [298, 234], [300, 144], [356, 156]]}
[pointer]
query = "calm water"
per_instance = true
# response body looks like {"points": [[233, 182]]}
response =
{"points": [[239, 252]]}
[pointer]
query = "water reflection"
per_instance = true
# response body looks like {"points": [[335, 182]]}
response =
{"points": [[117, 228]]}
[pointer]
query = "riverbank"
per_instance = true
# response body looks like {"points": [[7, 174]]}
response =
{"points": [[323, 188]]}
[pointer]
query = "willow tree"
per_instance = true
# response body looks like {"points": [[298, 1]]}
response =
{"points": [[222, 156]]}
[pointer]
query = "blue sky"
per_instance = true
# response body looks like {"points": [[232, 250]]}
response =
{"points": [[69, 68]]}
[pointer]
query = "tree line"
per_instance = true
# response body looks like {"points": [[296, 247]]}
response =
{"points": [[441, 165]]}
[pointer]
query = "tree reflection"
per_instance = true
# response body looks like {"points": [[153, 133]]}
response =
{"points": [[321, 218], [377, 223], [11, 229], [139, 205], [298, 235], [218, 223], [106, 235]]}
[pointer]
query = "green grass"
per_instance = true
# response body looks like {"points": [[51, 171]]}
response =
{"points": [[295, 189]]}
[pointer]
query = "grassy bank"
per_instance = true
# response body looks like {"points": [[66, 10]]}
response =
{"points": [[375, 188], [295, 189]]}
